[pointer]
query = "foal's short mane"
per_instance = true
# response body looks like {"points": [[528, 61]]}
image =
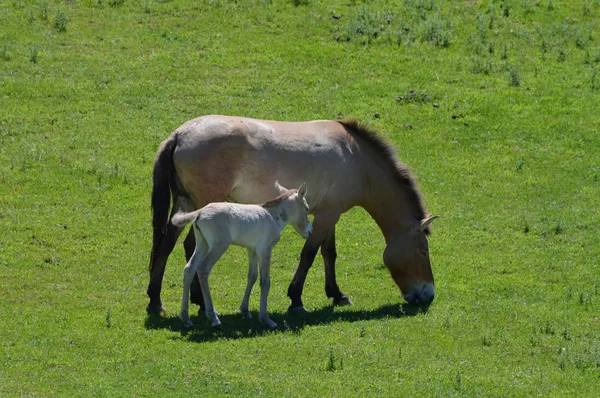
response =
{"points": [[279, 199], [399, 171]]}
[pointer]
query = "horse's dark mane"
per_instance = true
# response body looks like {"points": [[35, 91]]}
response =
{"points": [[279, 199], [399, 171]]}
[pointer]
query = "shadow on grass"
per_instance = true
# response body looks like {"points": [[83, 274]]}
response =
{"points": [[237, 327]]}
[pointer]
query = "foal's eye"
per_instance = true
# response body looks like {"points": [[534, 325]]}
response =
{"points": [[423, 252]]}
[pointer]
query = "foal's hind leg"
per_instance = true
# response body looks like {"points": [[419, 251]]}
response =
{"points": [[189, 244], [214, 254], [252, 276], [188, 275], [329, 255]]}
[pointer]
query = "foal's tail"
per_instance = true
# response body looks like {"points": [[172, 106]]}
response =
{"points": [[181, 219], [164, 178]]}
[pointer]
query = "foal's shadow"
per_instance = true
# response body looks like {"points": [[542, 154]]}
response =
{"points": [[235, 326]]}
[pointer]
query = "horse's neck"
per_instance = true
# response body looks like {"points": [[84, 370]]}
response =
{"points": [[386, 203]]}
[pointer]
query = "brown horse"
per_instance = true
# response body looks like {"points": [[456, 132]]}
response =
{"points": [[218, 158]]}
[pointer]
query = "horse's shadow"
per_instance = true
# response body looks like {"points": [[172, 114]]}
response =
{"points": [[235, 326]]}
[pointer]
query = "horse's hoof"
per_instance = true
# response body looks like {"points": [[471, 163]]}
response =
{"points": [[218, 327], [297, 310], [188, 324], [155, 309], [274, 326], [246, 314], [342, 301]]}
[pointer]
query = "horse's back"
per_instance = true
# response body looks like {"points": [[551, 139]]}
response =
{"points": [[239, 159]]}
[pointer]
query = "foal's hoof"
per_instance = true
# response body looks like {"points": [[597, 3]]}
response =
{"points": [[246, 314], [342, 301], [218, 327], [155, 308], [268, 322], [188, 324]]}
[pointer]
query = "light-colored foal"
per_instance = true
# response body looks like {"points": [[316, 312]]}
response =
{"points": [[255, 227]]}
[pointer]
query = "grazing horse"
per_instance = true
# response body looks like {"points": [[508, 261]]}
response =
{"points": [[257, 228], [227, 158]]}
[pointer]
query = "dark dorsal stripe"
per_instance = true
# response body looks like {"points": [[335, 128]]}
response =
{"points": [[279, 199], [399, 171]]}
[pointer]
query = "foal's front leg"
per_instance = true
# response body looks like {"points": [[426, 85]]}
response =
{"points": [[265, 285], [252, 275]]}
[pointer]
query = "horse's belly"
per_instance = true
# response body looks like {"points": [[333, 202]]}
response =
{"points": [[252, 192]]}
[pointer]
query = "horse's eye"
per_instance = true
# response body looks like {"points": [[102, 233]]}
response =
{"points": [[423, 252]]}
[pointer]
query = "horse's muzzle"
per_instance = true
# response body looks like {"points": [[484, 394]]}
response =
{"points": [[422, 295]]}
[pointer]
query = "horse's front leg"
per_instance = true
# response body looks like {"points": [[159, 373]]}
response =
{"points": [[329, 256], [265, 285], [322, 224]]}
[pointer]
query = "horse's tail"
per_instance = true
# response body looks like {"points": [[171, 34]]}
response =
{"points": [[164, 178], [181, 219]]}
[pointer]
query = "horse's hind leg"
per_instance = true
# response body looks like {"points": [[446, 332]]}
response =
{"points": [[252, 276], [159, 262], [189, 244], [329, 254]]}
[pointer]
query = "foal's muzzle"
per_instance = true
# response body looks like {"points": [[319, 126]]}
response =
{"points": [[309, 230]]}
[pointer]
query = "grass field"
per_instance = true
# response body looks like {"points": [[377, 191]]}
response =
{"points": [[492, 104]]}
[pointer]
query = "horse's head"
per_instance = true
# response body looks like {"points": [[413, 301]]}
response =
{"points": [[406, 256], [298, 213]]}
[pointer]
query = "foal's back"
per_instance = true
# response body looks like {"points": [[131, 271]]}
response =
{"points": [[242, 225]]}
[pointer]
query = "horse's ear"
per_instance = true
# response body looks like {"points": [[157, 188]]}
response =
{"points": [[303, 190], [425, 223]]}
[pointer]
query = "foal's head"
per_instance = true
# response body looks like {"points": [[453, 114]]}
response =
{"points": [[298, 214], [296, 207], [293, 208], [406, 256]]}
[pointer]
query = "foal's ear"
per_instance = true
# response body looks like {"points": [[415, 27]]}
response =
{"points": [[280, 188], [425, 223], [303, 190]]}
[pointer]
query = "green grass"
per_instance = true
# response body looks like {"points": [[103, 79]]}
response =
{"points": [[501, 131]]}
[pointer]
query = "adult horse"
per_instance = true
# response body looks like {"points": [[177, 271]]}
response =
{"points": [[218, 158]]}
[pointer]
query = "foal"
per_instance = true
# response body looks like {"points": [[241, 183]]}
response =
{"points": [[255, 227]]}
